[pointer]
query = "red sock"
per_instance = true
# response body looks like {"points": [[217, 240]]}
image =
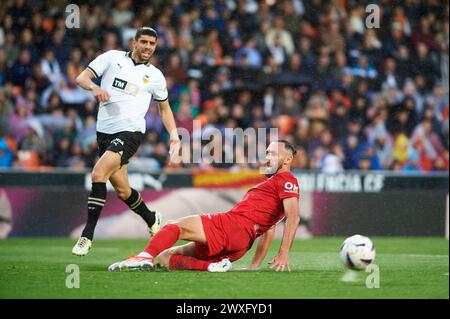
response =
{"points": [[165, 238], [180, 262]]}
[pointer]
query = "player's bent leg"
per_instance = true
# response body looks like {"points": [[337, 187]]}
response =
{"points": [[187, 257], [144, 262], [103, 169], [191, 228], [134, 201], [164, 239], [187, 228]]}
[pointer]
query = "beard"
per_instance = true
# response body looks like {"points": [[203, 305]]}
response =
{"points": [[270, 170], [141, 54]]}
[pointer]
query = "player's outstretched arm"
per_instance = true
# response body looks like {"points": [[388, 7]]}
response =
{"points": [[261, 248], [169, 123], [291, 208], [85, 81]]}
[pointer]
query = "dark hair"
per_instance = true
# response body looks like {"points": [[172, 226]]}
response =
{"points": [[145, 31], [289, 146]]}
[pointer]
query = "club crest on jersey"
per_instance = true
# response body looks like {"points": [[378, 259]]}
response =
{"points": [[146, 79], [290, 188]]}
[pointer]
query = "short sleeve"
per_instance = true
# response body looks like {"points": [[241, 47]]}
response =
{"points": [[160, 92], [288, 186], [101, 63]]}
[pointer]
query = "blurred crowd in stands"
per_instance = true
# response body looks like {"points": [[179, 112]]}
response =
{"points": [[350, 97]]}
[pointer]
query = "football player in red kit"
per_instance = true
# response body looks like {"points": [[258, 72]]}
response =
{"points": [[216, 240]]}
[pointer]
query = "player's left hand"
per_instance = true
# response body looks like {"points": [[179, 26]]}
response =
{"points": [[174, 151], [280, 262]]}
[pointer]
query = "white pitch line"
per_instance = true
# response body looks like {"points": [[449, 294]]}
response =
{"points": [[416, 255]]}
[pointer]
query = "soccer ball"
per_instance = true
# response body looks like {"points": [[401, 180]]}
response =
{"points": [[357, 252]]}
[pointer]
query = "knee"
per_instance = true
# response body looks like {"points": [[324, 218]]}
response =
{"points": [[177, 223], [98, 175]]}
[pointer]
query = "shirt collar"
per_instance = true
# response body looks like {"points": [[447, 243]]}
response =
{"points": [[128, 54]]}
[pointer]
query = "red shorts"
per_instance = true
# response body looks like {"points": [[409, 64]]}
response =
{"points": [[225, 238]]}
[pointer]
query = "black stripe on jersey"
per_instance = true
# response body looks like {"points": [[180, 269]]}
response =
{"points": [[95, 73], [161, 100]]}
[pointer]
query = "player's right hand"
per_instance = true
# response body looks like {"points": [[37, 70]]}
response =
{"points": [[100, 94]]}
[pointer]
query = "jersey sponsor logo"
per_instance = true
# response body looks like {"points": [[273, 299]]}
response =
{"points": [[290, 188], [119, 83], [125, 86]]}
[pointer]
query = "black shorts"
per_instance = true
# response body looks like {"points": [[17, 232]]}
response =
{"points": [[124, 143]]}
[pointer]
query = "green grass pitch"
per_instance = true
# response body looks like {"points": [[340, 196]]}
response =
{"points": [[409, 268]]}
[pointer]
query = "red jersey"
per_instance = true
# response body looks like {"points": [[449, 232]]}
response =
{"points": [[262, 206]]}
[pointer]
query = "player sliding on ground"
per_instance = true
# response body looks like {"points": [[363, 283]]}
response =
{"points": [[216, 240]]}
